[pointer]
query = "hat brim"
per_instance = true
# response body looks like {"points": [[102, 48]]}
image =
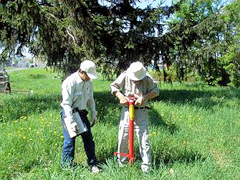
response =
{"points": [[132, 76], [92, 75]]}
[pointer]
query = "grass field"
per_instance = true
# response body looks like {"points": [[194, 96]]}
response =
{"points": [[194, 132]]}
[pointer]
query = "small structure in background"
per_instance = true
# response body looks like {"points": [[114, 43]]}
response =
{"points": [[4, 81]]}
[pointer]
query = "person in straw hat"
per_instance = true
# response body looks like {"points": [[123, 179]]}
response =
{"points": [[135, 83], [77, 96]]}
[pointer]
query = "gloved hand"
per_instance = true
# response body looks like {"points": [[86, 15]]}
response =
{"points": [[94, 118]]}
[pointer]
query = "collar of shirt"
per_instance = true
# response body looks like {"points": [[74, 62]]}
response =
{"points": [[78, 78]]}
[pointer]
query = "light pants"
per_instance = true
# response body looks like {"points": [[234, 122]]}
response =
{"points": [[141, 122]]}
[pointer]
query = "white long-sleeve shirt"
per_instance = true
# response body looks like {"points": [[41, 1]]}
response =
{"points": [[77, 93]]}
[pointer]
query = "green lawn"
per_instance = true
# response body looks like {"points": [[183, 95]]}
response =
{"points": [[194, 132]]}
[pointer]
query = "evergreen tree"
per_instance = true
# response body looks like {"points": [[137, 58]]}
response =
{"points": [[202, 36], [66, 32]]}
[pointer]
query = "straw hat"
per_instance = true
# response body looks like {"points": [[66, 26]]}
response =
{"points": [[136, 71], [90, 68]]}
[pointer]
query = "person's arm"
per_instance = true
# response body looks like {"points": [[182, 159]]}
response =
{"points": [[152, 93], [122, 99], [115, 89], [91, 104], [145, 98], [67, 96]]}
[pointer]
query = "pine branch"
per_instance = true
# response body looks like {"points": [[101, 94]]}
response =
{"points": [[70, 35]]}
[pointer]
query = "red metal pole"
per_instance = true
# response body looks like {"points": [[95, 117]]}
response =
{"points": [[131, 132], [130, 155]]}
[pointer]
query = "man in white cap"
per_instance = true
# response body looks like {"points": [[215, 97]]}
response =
{"points": [[135, 82], [77, 95]]}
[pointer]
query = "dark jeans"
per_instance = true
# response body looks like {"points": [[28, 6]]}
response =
{"points": [[69, 143]]}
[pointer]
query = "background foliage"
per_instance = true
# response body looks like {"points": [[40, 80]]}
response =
{"points": [[197, 38]]}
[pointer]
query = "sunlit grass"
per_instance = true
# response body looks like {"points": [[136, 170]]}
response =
{"points": [[194, 132]]}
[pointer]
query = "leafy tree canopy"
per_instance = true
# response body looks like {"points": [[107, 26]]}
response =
{"points": [[194, 36], [65, 32]]}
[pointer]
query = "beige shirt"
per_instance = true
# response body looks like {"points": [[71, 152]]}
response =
{"points": [[129, 87], [77, 93]]}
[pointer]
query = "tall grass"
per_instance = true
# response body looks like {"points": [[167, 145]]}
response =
{"points": [[194, 132]]}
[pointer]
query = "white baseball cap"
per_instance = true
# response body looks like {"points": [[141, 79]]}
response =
{"points": [[136, 71], [90, 68]]}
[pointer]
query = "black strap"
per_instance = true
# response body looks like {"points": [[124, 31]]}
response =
{"points": [[146, 107], [81, 112]]}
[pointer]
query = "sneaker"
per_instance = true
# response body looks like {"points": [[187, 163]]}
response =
{"points": [[95, 169]]}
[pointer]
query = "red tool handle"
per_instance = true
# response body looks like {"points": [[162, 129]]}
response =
{"points": [[131, 157]]}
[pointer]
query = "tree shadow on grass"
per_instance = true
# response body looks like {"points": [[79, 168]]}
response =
{"points": [[197, 98], [161, 158], [108, 107], [24, 105], [201, 99]]}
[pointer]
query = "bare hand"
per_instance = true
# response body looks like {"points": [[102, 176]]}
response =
{"points": [[94, 118], [93, 122], [139, 101], [123, 101]]}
